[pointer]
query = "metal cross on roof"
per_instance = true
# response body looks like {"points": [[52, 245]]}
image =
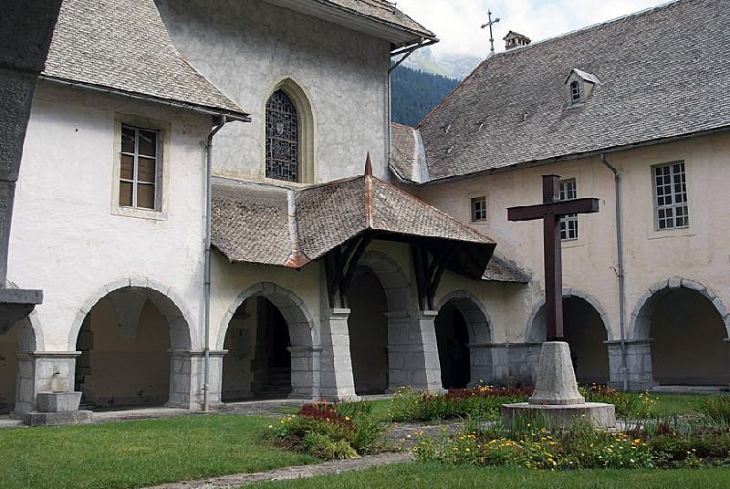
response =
{"points": [[550, 211], [490, 24]]}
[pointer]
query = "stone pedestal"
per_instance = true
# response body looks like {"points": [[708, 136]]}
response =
{"points": [[556, 400], [58, 408], [305, 372]]}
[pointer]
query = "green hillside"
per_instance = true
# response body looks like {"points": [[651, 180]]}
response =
{"points": [[415, 93]]}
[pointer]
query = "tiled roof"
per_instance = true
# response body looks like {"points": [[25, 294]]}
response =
{"points": [[284, 227], [663, 73], [124, 46], [383, 11]]}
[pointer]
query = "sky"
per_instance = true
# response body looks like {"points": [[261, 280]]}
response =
{"points": [[457, 22]]}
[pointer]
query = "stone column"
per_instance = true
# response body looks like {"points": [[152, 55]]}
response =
{"points": [[638, 362], [36, 372], [524, 361], [481, 362], [187, 376], [336, 377], [413, 352], [305, 372]]}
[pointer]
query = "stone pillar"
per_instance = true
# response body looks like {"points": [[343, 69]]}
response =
{"points": [[481, 363], [524, 361], [336, 378], [36, 371], [413, 356], [187, 376], [305, 372], [638, 361]]}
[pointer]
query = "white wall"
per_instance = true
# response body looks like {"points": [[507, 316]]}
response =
{"points": [[65, 238], [247, 47], [698, 253]]}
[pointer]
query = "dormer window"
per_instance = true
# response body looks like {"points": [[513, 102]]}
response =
{"points": [[575, 92], [580, 85]]}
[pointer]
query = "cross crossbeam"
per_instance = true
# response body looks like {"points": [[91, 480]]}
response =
{"points": [[551, 211]]}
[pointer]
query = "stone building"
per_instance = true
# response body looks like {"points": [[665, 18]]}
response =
{"points": [[630, 112], [329, 277]]}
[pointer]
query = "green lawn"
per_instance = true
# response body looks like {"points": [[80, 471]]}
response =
{"points": [[674, 404], [138, 453], [405, 476]]}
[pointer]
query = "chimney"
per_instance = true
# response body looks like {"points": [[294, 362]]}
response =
{"points": [[515, 40]]}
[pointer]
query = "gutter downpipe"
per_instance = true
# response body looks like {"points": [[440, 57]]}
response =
{"points": [[620, 271], [208, 232]]}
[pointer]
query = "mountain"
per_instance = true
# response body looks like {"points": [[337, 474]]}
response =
{"points": [[415, 93], [450, 65]]}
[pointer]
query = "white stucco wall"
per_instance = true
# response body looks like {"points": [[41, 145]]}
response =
{"points": [[65, 237], [698, 253], [247, 47]]}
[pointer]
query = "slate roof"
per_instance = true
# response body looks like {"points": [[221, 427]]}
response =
{"points": [[285, 227], [663, 73], [124, 46], [383, 11]]}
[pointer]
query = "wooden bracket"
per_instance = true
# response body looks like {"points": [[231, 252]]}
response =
{"points": [[340, 264], [429, 268]]}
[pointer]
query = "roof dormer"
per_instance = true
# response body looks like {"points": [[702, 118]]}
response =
{"points": [[580, 85]]}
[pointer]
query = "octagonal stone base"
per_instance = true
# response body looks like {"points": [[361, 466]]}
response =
{"points": [[598, 415], [58, 402]]}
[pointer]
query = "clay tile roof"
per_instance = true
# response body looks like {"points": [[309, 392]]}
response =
{"points": [[124, 46], [251, 223], [663, 73]]}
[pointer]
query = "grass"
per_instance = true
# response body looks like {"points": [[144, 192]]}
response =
{"points": [[404, 476], [139, 453], [676, 404]]}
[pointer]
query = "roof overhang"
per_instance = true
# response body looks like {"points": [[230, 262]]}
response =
{"points": [[397, 34]]}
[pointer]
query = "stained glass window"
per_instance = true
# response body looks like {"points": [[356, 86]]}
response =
{"points": [[282, 138]]}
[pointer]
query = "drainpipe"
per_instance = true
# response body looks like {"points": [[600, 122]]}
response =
{"points": [[620, 270], [208, 219]]}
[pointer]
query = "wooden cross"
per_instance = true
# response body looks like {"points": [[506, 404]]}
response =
{"points": [[550, 211]]}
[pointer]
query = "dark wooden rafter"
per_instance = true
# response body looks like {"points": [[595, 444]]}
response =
{"points": [[429, 268], [340, 264]]}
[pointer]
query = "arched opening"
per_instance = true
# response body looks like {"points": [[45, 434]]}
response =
{"points": [[464, 338], [687, 336], [125, 342], [584, 330], [270, 347], [452, 338], [258, 363], [368, 329]]}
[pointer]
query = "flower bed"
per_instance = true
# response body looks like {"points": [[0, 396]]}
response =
{"points": [[483, 402], [661, 444], [330, 431]]}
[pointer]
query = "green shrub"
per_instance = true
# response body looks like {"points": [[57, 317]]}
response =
{"points": [[716, 409], [325, 448], [368, 433]]}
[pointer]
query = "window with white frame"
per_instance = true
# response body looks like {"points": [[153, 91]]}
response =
{"points": [[670, 190], [569, 223], [139, 167], [575, 92], [479, 209]]}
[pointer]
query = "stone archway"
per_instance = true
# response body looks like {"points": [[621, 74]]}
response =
{"points": [[586, 330], [679, 332], [253, 331], [126, 338], [463, 335]]}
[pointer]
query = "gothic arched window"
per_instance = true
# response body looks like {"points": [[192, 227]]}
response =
{"points": [[282, 138]]}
